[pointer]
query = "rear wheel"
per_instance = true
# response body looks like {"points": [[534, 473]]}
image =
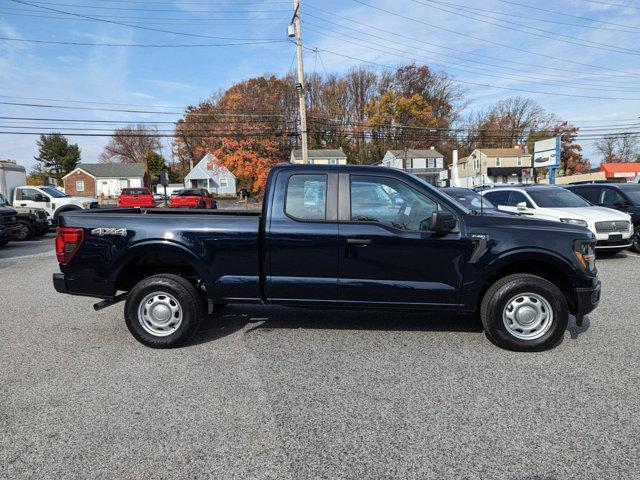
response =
{"points": [[163, 311], [524, 312], [26, 230]]}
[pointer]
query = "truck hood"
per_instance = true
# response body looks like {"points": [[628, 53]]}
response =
{"points": [[74, 200], [594, 214], [7, 211], [535, 224]]}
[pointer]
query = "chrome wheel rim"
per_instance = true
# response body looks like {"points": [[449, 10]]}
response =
{"points": [[527, 316], [160, 314]]}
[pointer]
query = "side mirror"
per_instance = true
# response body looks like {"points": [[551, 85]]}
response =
{"points": [[442, 222], [522, 206]]}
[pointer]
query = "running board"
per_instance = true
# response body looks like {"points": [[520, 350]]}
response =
{"points": [[108, 303]]}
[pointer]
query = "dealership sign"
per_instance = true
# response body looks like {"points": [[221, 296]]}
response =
{"points": [[545, 153]]}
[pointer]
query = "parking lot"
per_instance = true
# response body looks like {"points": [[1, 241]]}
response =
{"points": [[291, 394]]}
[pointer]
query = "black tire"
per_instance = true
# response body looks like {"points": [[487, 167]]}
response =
{"points": [[182, 291], [502, 292], [26, 230], [635, 240]]}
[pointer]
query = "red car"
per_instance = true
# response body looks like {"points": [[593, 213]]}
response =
{"points": [[192, 198], [136, 197]]}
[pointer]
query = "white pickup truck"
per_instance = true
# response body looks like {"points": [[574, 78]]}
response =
{"points": [[52, 200], [612, 229]]}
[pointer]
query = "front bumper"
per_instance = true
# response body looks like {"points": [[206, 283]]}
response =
{"points": [[613, 244], [587, 300]]}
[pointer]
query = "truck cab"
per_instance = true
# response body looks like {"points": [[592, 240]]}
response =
{"points": [[50, 199]]}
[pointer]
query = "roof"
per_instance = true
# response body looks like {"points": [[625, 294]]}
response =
{"points": [[111, 170], [503, 152], [417, 153], [208, 167], [321, 153], [627, 167]]}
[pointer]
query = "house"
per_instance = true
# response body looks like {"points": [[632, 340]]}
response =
{"points": [[212, 176], [427, 164], [321, 157], [494, 165], [624, 171], [104, 180]]}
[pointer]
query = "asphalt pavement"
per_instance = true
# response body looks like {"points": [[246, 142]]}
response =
{"points": [[278, 393]]}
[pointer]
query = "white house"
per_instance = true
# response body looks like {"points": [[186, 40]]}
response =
{"points": [[427, 164], [212, 176], [103, 179], [321, 157]]}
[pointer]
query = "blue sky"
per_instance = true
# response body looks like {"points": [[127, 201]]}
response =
{"points": [[574, 49]]}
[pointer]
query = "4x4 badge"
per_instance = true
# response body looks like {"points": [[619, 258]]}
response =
{"points": [[101, 232]]}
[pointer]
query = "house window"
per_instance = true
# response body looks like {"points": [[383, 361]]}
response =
{"points": [[224, 182], [333, 161], [431, 163], [79, 185], [519, 162], [498, 162]]}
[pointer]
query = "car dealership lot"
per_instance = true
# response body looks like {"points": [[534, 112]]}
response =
{"points": [[290, 393]]}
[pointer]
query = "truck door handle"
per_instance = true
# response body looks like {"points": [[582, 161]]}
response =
{"points": [[23, 204], [359, 242]]}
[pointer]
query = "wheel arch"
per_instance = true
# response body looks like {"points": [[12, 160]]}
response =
{"points": [[64, 208]]}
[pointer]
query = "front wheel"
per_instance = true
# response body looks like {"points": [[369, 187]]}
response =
{"points": [[524, 312], [635, 240], [163, 311], [26, 230]]}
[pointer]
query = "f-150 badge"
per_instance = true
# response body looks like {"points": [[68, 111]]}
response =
{"points": [[102, 232]]}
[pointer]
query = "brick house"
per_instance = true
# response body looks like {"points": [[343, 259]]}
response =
{"points": [[104, 180]]}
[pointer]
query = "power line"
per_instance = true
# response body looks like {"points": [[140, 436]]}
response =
{"points": [[137, 26], [138, 45], [100, 7], [524, 29], [529, 65], [467, 35]]}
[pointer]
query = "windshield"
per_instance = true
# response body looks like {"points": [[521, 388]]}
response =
{"points": [[470, 199], [633, 192], [189, 193], [557, 198], [3, 201], [53, 192]]}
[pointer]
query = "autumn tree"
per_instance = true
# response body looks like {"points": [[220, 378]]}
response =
{"points": [[131, 144], [622, 147], [56, 157]]}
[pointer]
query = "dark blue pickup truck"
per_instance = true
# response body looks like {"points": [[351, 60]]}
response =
{"points": [[333, 236]]}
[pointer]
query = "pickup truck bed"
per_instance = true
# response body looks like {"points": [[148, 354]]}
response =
{"points": [[333, 236]]}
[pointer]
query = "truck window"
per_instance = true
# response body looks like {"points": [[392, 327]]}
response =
{"points": [[306, 197], [27, 194], [610, 197], [592, 194], [390, 202]]}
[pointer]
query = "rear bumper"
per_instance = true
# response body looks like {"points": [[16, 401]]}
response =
{"points": [[587, 300], [59, 283]]}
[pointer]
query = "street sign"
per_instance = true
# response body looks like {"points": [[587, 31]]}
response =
{"points": [[545, 153]]}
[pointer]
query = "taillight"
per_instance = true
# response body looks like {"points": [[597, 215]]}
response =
{"points": [[68, 242]]}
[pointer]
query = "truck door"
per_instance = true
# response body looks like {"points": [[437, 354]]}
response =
{"points": [[387, 254], [301, 238], [31, 198]]}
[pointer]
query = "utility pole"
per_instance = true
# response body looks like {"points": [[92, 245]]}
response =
{"points": [[300, 87]]}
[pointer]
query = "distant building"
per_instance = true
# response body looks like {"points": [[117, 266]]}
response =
{"points": [[621, 172], [212, 176], [321, 157], [427, 164], [494, 165], [104, 179]]}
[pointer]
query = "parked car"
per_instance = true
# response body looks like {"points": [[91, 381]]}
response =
{"points": [[9, 223], [50, 199], [624, 197], [522, 277], [33, 222], [192, 198], [470, 199], [136, 197], [611, 228]]}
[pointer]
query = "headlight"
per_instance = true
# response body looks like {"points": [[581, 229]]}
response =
{"points": [[86, 205], [574, 221], [586, 253]]}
